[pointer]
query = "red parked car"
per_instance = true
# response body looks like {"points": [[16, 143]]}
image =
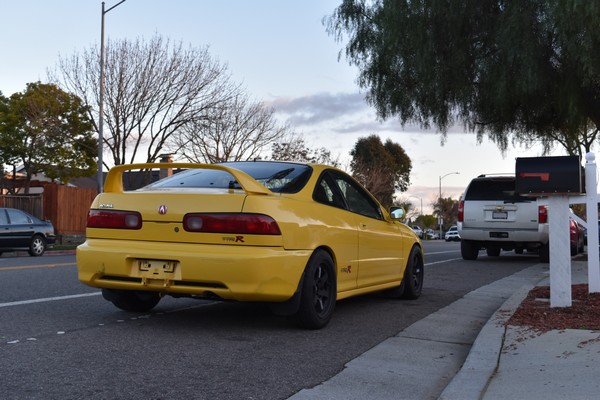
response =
{"points": [[576, 232]]}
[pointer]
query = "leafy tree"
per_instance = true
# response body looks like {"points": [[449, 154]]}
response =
{"points": [[3, 157], [426, 221], [294, 148], [382, 168], [521, 71], [48, 131], [447, 209]]}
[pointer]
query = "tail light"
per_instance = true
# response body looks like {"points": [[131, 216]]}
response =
{"points": [[543, 214], [252, 224], [461, 211], [113, 219]]}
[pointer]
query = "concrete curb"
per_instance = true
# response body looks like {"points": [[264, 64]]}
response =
{"points": [[481, 363]]}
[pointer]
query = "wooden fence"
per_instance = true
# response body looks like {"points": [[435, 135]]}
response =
{"points": [[67, 207], [33, 203]]}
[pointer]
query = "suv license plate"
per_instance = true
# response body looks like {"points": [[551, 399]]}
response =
{"points": [[499, 215]]}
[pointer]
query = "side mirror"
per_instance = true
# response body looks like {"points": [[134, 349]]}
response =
{"points": [[397, 213]]}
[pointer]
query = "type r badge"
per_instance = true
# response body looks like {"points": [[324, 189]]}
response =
{"points": [[162, 209]]}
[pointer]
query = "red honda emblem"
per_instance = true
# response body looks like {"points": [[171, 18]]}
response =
{"points": [[162, 209]]}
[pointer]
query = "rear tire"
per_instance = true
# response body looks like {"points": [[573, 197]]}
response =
{"points": [[37, 246], [319, 290], [469, 250], [545, 253], [130, 300]]}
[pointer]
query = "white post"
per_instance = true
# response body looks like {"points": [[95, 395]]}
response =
{"points": [[591, 206], [560, 251]]}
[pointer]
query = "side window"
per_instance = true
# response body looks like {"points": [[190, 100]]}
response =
{"points": [[357, 198], [326, 193], [3, 218], [17, 217]]}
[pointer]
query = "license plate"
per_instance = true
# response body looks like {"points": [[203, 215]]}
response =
{"points": [[499, 215], [157, 268]]}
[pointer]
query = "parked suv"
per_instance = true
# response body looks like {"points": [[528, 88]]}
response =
{"points": [[493, 217]]}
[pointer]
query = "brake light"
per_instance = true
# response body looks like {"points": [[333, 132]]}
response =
{"points": [[461, 211], [543, 214], [113, 219], [239, 223]]}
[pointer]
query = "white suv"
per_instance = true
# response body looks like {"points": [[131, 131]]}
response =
{"points": [[493, 217]]}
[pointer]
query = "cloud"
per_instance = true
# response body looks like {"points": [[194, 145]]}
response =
{"points": [[319, 108], [344, 113]]}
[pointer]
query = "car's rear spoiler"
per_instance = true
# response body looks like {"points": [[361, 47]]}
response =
{"points": [[114, 178]]}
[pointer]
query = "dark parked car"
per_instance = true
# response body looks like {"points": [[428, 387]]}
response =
{"points": [[22, 231]]}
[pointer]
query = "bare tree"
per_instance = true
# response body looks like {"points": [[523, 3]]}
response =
{"points": [[234, 130], [293, 147], [152, 91]]}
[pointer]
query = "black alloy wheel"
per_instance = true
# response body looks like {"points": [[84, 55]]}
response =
{"points": [[319, 289]]}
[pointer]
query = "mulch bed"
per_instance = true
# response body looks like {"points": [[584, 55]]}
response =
{"points": [[535, 311]]}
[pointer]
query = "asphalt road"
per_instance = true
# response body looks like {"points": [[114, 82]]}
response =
{"points": [[60, 339]]}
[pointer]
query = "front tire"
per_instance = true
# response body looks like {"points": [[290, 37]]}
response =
{"points": [[319, 290], [413, 275], [130, 300], [37, 246]]}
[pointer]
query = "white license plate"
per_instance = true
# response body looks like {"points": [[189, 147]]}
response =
{"points": [[499, 215], [157, 267]]}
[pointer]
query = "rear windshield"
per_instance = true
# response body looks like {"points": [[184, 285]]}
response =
{"points": [[276, 176], [494, 189]]}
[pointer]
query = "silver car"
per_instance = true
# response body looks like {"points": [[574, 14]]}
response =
{"points": [[492, 216]]}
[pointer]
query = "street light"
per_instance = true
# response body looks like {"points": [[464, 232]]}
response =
{"points": [[101, 111], [440, 198]]}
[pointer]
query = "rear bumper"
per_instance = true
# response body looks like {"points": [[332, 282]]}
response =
{"points": [[504, 235], [243, 273]]}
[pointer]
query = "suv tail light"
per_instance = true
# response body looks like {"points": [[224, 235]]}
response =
{"points": [[543, 214], [112, 219], [238, 223], [461, 211]]}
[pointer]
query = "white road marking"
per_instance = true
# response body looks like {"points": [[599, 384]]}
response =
{"points": [[44, 300], [443, 261]]}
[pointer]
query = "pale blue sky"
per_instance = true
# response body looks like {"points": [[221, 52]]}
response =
{"points": [[278, 49]]}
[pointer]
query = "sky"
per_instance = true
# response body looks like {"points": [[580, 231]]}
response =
{"points": [[278, 50]]}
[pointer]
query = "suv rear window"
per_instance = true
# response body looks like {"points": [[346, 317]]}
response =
{"points": [[494, 189]]}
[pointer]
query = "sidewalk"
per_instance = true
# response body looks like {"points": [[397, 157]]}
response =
{"points": [[475, 356], [559, 364]]}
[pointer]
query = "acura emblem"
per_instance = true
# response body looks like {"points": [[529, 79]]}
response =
{"points": [[162, 209]]}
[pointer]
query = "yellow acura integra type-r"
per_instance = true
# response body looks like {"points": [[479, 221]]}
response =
{"points": [[297, 236]]}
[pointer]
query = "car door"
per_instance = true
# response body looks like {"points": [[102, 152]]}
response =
{"points": [[5, 231], [21, 228], [343, 223], [380, 252]]}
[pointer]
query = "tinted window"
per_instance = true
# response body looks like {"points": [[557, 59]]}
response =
{"points": [[197, 178], [3, 218], [327, 193], [277, 177], [494, 189], [357, 198], [17, 217]]}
